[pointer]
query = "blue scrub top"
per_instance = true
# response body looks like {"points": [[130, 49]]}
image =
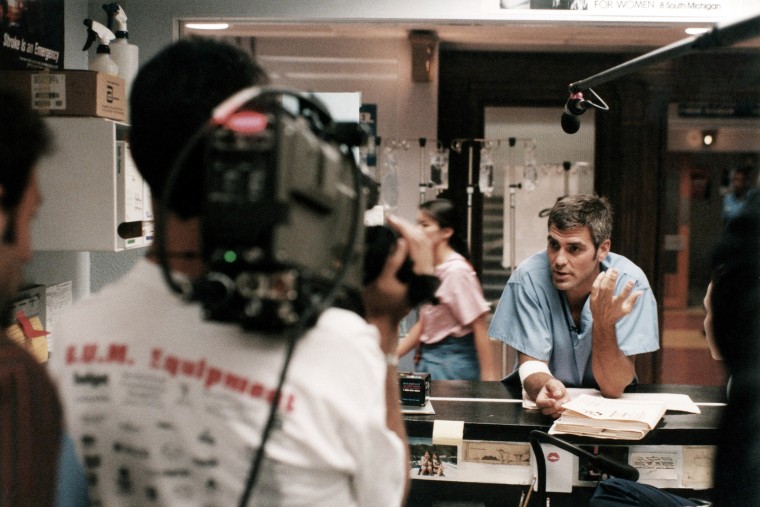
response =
{"points": [[533, 318]]}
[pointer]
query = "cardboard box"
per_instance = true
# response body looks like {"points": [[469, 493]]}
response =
{"points": [[70, 92]]}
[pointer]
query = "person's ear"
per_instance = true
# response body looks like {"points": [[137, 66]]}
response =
{"points": [[447, 232], [603, 250]]}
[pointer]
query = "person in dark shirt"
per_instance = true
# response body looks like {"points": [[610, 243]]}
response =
{"points": [[732, 326], [30, 412], [735, 300]]}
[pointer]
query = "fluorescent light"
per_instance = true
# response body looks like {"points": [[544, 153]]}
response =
{"points": [[207, 26], [696, 31]]}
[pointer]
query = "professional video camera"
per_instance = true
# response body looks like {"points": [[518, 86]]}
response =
{"points": [[282, 217], [282, 221]]}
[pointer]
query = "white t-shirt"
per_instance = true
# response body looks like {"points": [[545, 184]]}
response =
{"points": [[167, 409]]}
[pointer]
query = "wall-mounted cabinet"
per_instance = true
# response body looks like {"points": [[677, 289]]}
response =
{"points": [[93, 198]]}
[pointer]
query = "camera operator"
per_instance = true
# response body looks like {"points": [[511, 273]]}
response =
{"points": [[168, 408]]}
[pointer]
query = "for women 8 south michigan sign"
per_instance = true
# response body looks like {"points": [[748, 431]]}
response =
{"points": [[634, 10]]}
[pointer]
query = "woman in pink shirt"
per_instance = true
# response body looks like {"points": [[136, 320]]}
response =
{"points": [[451, 337]]}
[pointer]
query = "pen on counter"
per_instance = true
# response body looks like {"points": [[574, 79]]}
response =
{"points": [[527, 497]]}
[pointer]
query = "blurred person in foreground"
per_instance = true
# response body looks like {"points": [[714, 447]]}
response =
{"points": [[168, 407], [732, 330], [30, 413], [735, 300]]}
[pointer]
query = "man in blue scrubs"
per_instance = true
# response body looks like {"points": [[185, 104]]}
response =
{"points": [[576, 312], [742, 190]]}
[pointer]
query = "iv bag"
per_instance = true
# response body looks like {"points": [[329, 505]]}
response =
{"points": [[485, 181], [439, 169], [389, 183], [530, 171]]}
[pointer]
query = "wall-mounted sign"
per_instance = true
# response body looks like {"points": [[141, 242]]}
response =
{"points": [[32, 34], [707, 10], [722, 110]]}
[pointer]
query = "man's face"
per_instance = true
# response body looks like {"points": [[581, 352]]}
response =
{"points": [[740, 182], [17, 252], [573, 260]]}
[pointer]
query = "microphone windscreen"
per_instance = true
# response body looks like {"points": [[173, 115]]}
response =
{"points": [[570, 123]]}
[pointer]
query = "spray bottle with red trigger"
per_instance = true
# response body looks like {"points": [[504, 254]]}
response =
{"points": [[102, 61]]}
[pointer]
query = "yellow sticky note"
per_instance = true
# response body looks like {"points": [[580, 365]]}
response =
{"points": [[448, 432]]}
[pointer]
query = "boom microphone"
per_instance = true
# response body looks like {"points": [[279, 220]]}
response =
{"points": [[574, 107]]}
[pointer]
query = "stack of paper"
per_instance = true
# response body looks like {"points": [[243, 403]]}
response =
{"points": [[608, 418], [675, 402]]}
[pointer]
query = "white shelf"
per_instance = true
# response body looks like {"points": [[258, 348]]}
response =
{"points": [[79, 183]]}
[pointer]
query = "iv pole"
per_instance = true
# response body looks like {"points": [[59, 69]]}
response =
{"points": [[513, 212], [456, 145], [470, 193], [512, 239], [423, 183]]}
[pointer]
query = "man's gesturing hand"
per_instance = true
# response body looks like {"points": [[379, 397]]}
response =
{"points": [[606, 307]]}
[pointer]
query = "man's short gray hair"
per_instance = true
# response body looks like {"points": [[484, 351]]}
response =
{"points": [[577, 211]]}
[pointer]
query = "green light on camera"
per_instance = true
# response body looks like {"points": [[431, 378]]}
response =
{"points": [[230, 256]]}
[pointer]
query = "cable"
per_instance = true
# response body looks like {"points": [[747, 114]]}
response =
{"points": [[253, 472]]}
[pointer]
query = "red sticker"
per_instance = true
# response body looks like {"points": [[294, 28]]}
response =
{"points": [[247, 122]]}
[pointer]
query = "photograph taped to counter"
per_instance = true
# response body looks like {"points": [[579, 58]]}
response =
{"points": [[432, 461], [497, 453]]}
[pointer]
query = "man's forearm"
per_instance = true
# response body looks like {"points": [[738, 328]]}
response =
{"points": [[613, 370], [394, 420], [488, 368], [410, 341], [388, 328]]}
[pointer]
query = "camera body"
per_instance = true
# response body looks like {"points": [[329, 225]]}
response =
{"points": [[282, 218]]}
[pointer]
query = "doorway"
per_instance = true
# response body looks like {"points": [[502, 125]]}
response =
{"points": [[696, 183]]}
